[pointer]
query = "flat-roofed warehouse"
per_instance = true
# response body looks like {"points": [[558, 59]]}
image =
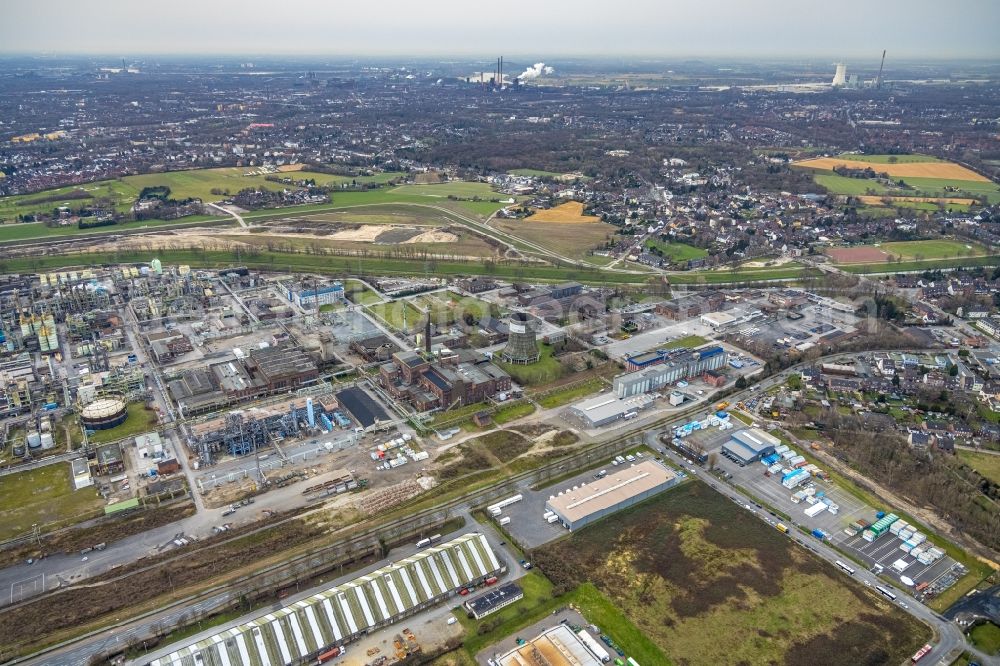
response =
{"points": [[298, 632], [749, 445], [595, 500], [557, 646]]}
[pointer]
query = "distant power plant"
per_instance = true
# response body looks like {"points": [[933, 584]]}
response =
{"points": [[854, 82], [840, 78]]}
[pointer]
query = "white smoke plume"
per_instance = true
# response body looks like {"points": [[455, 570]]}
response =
{"points": [[534, 72]]}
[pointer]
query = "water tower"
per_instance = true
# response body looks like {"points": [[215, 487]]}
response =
{"points": [[521, 346]]}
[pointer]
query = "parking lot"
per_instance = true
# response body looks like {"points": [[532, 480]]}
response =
{"points": [[884, 551]]}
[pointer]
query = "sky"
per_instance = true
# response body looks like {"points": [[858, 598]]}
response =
{"points": [[909, 29]]}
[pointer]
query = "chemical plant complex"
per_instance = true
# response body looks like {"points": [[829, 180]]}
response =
{"points": [[402, 361]]}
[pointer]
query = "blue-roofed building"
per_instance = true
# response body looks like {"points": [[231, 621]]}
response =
{"points": [[749, 445], [308, 299], [655, 370]]}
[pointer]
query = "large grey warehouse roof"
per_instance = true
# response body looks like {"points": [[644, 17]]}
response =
{"points": [[340, 613], [610, 491]]}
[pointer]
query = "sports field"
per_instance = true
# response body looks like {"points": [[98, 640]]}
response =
{"points": [[570, 212], [709, 585], [43, 496], [905, 251]]}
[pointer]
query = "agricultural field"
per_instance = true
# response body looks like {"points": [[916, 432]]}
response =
{"points": [[924, 178], [900, 169], [688, 568], [905, 251], [570, 212], [675, 252], [888, 159], [575, 240], [44, 496]]}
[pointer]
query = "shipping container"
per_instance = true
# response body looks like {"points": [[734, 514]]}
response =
{"points": [[552, 519], [505, 520], [819, 534], [897, 526]]}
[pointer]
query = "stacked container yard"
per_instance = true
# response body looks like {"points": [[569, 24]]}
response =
{"points": [[880, 527]]}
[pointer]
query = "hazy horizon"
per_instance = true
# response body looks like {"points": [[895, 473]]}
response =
{"points": [[713, 29]]}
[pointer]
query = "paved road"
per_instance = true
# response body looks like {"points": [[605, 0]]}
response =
{"points": [[79, 651]]}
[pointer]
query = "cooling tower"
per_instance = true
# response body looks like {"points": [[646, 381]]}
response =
{"points": [[521, 346]]}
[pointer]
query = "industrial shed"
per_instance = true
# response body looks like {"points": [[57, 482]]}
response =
{"points": [[587, 503], [749, 445], [341, 614], [558, 646]]}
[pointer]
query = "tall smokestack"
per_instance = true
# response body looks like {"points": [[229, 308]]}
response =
{"points": [[501, 71], [427, 334]]}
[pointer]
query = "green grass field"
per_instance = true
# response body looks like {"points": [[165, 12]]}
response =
{"points": [[360, 293], [922, 187], [401, 315], [139, 420], [986, 464], [690, 341], [43, 496], [850, 186], [986, 637], [12, 231], [451, 189], [933, 249], [924, 265], [572, 393], [676, 252], [547, 369]]}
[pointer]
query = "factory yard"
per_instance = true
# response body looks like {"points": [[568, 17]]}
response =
{"points": [[884, 551]]}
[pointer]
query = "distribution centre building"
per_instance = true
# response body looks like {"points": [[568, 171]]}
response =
{"points": [[298, 632], [584, 504], [750, 445], [606, 408]]}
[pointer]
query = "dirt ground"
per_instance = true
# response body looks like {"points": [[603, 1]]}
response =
{"points": [[857, 255], [911, 169], [571, 211]]}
